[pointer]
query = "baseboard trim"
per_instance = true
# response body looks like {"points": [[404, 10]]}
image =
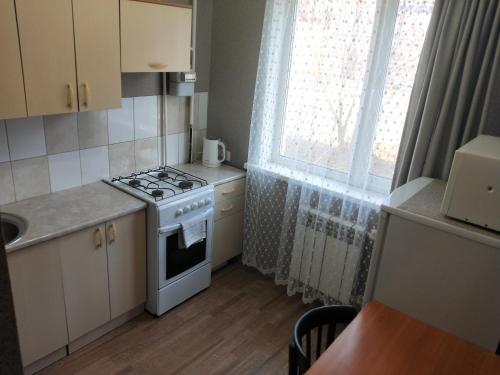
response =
{"points": [[45, 361], [102, 330]]}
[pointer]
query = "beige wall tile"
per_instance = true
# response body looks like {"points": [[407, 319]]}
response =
{"points": [[31, 177], [60, 133], [121, 159], [92, 129], [177, 114], [7, 194], [146, 153]]}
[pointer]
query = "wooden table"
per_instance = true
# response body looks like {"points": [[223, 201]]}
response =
{"points": [[382, 340]]}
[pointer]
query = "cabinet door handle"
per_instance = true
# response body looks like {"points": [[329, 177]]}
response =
{"points": [[227, 209], [86, 94], [98, 237], [112, 233], [70, 96], [227, 192], [157, 65]]}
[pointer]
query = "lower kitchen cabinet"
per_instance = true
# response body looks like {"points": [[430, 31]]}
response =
{"points": [[228, 225], [127, 263], [70, 286], [85, 279], [228, 238], [37, 289]]}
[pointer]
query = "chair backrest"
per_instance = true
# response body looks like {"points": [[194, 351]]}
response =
{"points": [[310, 324]]}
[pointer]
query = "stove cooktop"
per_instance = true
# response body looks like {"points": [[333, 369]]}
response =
{"points": [[159, 184]]}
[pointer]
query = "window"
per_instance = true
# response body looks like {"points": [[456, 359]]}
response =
{"points": [[351, 69]]}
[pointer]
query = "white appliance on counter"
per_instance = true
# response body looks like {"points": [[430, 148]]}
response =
{"points": [[174, 197], [214, 152], [473, 189], [439, 270]]}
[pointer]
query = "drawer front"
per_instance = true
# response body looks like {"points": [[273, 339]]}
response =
{"points": [[228, 207], [228, 238], [230, 190]]}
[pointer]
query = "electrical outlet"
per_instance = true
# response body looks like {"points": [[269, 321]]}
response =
{"points": [[228, 155]]}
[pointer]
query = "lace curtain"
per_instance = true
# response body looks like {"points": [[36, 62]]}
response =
{"points": [[332, 89]]}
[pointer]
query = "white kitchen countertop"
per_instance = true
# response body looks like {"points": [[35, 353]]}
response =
{"points": [[214, 176], [57, 214], [420, 201]]}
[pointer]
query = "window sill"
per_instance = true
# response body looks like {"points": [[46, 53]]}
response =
{"points": [[323, 183]]}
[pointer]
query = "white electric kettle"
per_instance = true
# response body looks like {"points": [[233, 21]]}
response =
{"points": [[214, 152]]}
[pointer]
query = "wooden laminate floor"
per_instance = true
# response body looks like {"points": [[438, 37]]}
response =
{"points": [[242, 324]]}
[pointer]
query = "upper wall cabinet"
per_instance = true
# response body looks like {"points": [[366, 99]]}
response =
{"points": [[12, 100], [97, 43], [48, 53], [155, 37], [48, 39]]}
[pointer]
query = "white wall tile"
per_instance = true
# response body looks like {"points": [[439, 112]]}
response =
{"points": [[26, 138], [198, 136], [121, 159], [183, 147], [31, 177], [95, 164], [172, 149], [200, 110], [4, 147], [121, 122], [177, 114], [92, 129], [146, 153], [161, 146], [60, 133], [64, 170], [146, 117], [7, 194]]}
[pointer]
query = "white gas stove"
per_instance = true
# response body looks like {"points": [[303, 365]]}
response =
{"points": [[173, 196]]}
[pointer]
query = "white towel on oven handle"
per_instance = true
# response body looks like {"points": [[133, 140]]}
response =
{"points": [[192, 231]]}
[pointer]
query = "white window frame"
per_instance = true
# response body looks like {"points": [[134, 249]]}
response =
{"points": [[374, 82]]}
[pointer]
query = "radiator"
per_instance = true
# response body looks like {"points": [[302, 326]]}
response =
{"points": [[326, 253]]}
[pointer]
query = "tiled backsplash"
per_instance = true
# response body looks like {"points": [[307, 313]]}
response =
{"points": [[51, 153]]}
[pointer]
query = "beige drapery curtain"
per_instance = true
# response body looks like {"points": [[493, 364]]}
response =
{"points": [[454, 88]]}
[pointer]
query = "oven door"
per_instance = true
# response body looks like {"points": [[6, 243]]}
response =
{"points": [[176, 262]]}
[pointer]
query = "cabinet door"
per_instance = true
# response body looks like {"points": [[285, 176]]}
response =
{"points": [[85, 278], [155, 37], [228, 238], [97, 44], [48, 54], [127, 262], [36, 280], [12, 100]]}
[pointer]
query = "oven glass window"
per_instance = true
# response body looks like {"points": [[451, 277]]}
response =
{"points": [[182, 259]]}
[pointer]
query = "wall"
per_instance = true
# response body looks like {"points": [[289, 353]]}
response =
{"points": [[45, 154], [236, 35], [203, 44]]}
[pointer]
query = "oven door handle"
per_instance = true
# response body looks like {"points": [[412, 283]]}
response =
{"points": [[169, 229], [172, 228]]}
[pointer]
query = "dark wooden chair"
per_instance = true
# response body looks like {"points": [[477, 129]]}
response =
{"points": [[311, 326], [498, 349]]}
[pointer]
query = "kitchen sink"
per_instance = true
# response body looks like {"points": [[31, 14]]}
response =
{"points": [[12, 227]]}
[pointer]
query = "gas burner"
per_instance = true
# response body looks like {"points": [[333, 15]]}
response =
{"points": [[185, 185], [160, 183], [134, 182], [157, 193]]}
